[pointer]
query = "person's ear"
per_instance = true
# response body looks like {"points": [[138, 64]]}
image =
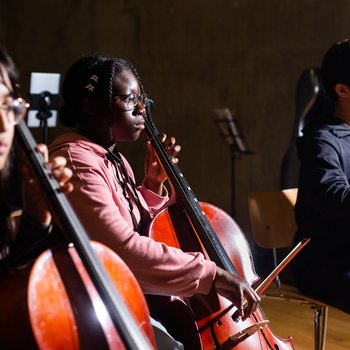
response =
{"points": [[88, 106], [342, 90]]}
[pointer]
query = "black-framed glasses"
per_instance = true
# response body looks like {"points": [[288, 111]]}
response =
{"points": [[132, 100], [14, 111]]}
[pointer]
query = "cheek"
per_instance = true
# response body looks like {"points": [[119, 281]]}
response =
{"points": [[8, 138], [11, 134], [121, 122], [119, 126], [123, 128]]}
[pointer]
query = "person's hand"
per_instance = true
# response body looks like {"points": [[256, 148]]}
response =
{"points": [[34, 204], [154, 172], [236, 290]]}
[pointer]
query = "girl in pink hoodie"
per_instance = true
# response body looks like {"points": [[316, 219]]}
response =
{"points": [[105, 99]]}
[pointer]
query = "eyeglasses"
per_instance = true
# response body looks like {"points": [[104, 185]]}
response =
{"points": [[132, 100], [14, 111]]}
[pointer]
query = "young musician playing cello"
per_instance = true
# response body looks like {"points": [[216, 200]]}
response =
{"points": [[34, 305], [105, 99]]}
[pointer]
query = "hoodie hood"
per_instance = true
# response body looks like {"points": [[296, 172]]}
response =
{"points": [[334, 125], [76, 139], [332, 132]]}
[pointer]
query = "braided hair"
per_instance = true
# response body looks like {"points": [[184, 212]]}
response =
{"points": [[91, 77]]}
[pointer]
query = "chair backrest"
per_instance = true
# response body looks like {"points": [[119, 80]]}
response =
{"points": [[272, 217]]}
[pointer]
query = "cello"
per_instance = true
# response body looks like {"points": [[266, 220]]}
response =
{"points": [[206, 321], [76, 296]]}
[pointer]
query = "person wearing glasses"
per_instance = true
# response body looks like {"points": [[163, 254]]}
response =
{"points": [[104, 99], [322, 268], [24, 239]]}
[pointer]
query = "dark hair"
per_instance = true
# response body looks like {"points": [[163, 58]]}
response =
{"points": [[91, 77], [8, 176], [7, 63], [8, 67], [336, 67]]}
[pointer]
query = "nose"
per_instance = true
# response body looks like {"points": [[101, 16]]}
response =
{"points": [[140, 108]]}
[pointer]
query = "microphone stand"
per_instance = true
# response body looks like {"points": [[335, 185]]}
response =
{"points": [[44, 103], [229, 130]]}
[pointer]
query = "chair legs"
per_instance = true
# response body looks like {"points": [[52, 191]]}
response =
{"points": [[320, 322], [320, 315]]}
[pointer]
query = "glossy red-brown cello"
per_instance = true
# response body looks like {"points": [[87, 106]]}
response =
{"points": [[207, 321], [76, 296]]}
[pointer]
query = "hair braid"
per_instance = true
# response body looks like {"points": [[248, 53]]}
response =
{"points": [[133, 69], [109, 96]]}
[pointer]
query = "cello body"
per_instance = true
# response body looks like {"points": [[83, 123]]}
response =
{"points": [[54, 304], [69, 300], [205, 321]]}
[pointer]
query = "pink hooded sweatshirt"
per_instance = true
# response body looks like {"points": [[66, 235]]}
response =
{"points": [[103, 210]]}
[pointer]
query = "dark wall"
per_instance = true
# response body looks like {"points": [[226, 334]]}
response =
{"points": [[193, 56]]}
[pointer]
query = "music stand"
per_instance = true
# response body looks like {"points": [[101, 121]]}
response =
{"points": [[230, 131]]}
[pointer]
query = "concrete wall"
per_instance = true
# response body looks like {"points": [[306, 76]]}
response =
{"points": [[193, 56]]}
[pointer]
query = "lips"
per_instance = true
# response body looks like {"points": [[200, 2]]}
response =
{"points": [[140, 125]]}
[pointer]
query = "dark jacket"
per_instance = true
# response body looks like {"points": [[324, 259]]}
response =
{"points": [[323, 205]]}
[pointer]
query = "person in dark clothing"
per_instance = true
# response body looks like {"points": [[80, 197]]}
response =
{"points": [[322, 210]]}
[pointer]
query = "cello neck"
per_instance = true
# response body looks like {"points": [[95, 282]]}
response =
{"points": [[124, 322], [188, 200]]}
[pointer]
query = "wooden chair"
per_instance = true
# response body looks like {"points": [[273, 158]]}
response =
{"points": [[273, 227]]}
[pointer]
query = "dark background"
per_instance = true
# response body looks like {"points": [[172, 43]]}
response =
{"points": [[193, 56]]}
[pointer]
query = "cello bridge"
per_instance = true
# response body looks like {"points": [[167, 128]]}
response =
{"points": [[240, 336]]}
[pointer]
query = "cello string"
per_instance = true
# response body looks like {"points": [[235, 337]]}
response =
{"points": [[194, 211]]}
